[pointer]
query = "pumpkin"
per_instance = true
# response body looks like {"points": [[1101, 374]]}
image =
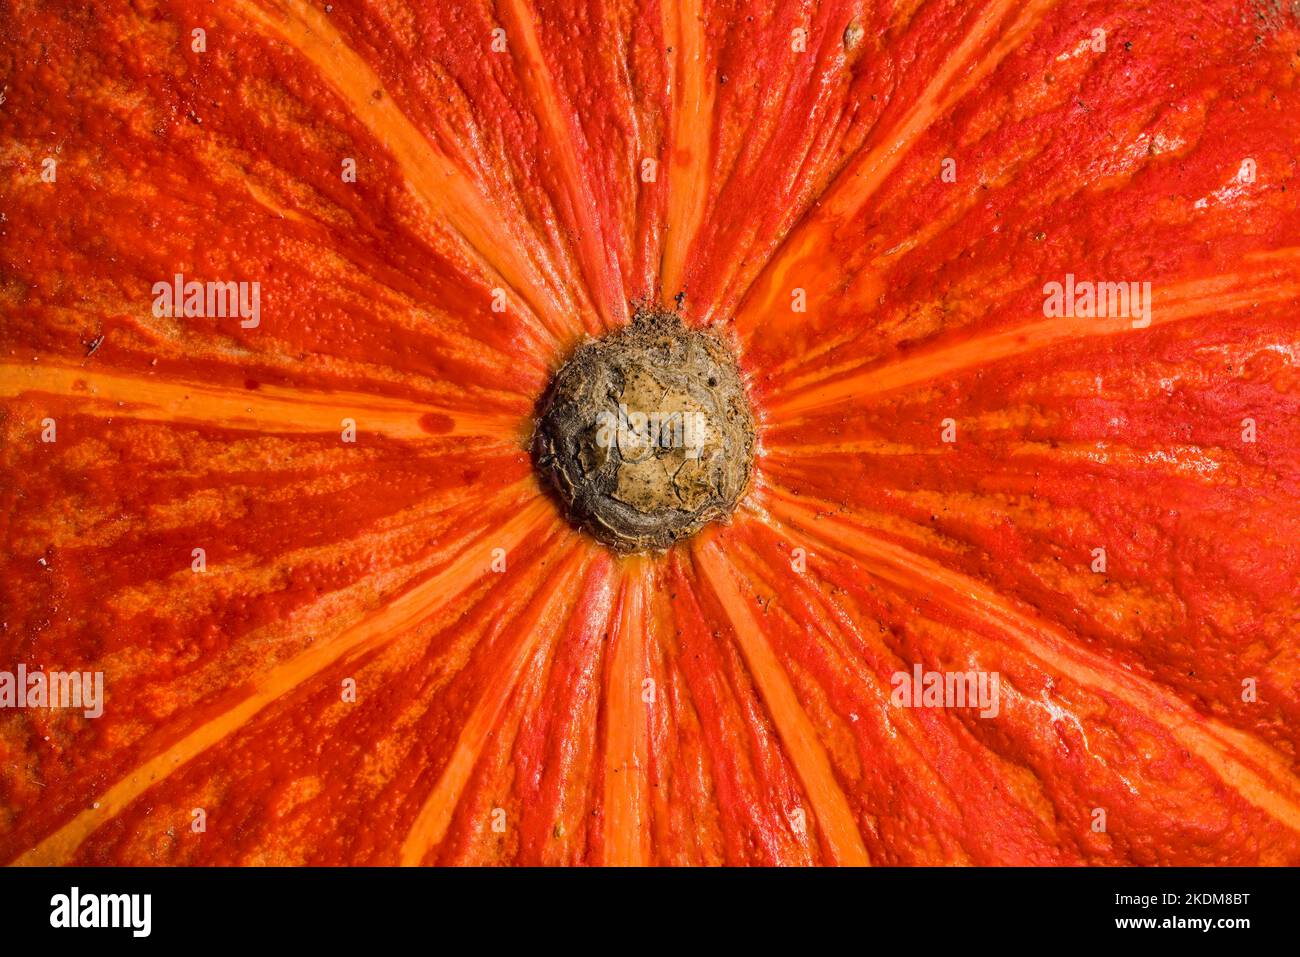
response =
{"points": [[1009, 289]]}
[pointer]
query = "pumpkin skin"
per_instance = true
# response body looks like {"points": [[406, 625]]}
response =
{"points": [[500, 716]]}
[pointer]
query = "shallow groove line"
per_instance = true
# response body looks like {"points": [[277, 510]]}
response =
{"points": [[690, 152], [434, 179], [406, 611], [831, 808], [538, 625], [268, 409], [1251, 768], [627, 760], [853, 188], [849, 191], [558, 121], [1174, 303]]}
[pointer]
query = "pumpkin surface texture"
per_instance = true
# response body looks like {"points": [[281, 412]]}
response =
{"points": [[970, 533]]}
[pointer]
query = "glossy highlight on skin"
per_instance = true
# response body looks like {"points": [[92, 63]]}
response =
{"points": [[523, 694]]}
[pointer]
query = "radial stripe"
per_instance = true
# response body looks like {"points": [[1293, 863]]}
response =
{"points": [[457, 342], [538, 625], [444, 189], [954, 80], [267, 409], [690, 151], [849, 192], [397, 616], [559, 125], [830, 806], [1248, 766], [627, 824], [833, 627], [1175, 303]]}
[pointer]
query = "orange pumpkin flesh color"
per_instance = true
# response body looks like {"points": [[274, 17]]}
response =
{"points": [[396, 650]]}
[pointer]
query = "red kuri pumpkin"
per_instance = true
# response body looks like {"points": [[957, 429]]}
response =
{"points": [[283, 283]]}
